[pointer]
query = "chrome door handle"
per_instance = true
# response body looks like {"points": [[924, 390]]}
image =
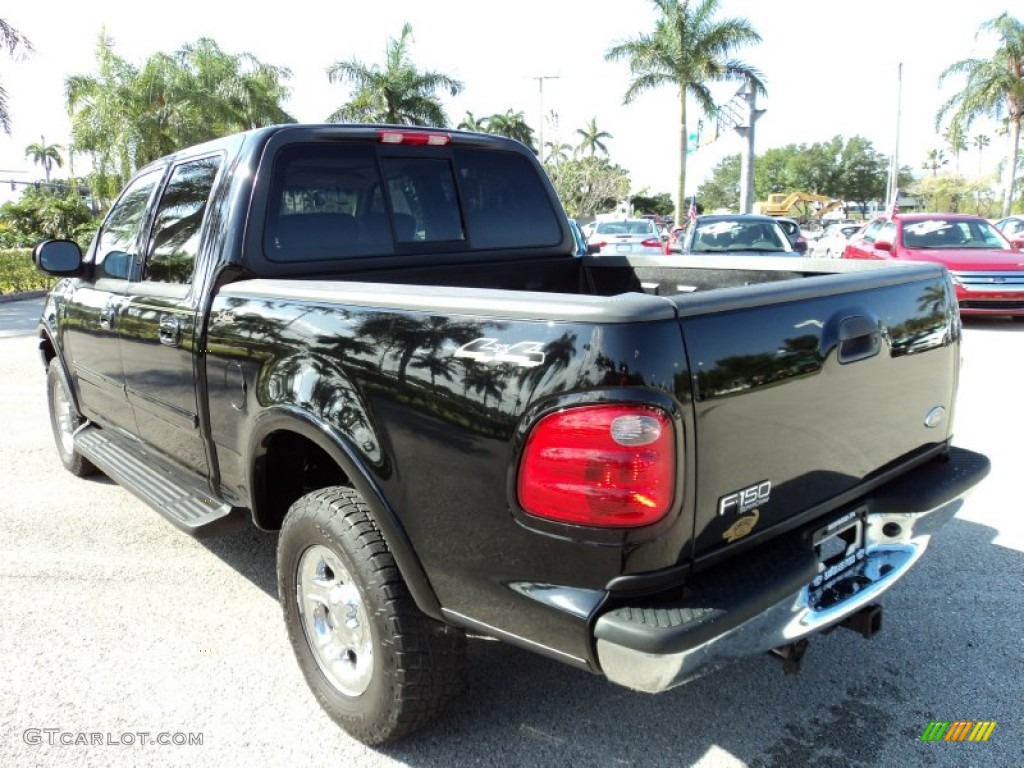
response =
{"points": [[170, 331], [110, 309]]}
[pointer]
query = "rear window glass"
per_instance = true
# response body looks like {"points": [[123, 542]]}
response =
{"points": [[331, 201], [637, 227]]}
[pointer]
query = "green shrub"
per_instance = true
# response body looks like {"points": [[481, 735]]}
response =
{"points": [[19, 274]]}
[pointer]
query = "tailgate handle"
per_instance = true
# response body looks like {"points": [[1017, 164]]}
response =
{"points": [[860, 337]]}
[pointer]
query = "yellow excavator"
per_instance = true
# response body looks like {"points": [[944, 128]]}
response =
{"points": [[798, 205]]}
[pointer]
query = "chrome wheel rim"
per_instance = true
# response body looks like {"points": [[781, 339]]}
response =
{"points": [[335, 621], [65, 416]]}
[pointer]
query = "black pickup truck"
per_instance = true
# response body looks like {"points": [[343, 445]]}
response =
{"points": [[382, 343]]}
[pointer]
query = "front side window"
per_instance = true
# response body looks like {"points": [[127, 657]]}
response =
{"points": [[118, 240], [179, 218], [886, 232]]}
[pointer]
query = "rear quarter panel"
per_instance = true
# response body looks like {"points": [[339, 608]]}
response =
{"points": [[436, 408]]}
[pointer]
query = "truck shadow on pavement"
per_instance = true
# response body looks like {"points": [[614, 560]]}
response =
{"points": [[945, 652], [250, 552]]}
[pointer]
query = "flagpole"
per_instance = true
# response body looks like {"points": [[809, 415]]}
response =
{"points": [[894, 169]]}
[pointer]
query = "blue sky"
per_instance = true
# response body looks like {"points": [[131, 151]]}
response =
{"points": [[829, 72]]}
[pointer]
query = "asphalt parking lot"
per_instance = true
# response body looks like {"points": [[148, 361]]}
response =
{"points": [[114, 625]]}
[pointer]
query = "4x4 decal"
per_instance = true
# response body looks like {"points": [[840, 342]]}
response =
{"points": [[525, 354]]}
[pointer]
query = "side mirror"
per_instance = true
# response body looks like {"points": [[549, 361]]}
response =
{"points": [[60, 258], [883, 245], [800, 246], [1018, 245], [593, 247]]}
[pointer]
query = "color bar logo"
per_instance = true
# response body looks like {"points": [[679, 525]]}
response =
{"points": [[958, 730]]}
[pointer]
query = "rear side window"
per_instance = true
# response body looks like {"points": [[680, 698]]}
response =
{"points": [[179, 219], [340, 201]]}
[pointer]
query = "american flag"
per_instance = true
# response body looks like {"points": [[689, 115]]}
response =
{"points": [[692, 213]]}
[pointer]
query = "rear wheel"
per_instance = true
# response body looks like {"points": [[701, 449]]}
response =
{"points": [[377, 665], [64, 420]]}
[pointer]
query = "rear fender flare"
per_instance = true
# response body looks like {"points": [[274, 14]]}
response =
{"points": [[291, 418]]}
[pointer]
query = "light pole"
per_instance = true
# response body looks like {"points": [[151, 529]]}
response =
{"points": [[540, 82], [749, 96]]}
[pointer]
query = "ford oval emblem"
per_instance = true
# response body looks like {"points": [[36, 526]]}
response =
{"points": [[934, 417]]}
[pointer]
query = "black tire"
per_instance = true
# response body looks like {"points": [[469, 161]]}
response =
{"points": [[64, 421], [389, 669]]}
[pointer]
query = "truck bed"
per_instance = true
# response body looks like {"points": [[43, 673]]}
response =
{"points": [[615, 275]]}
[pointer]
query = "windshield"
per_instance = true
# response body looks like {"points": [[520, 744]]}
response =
{"points": [[731, 236], [939, 233]]}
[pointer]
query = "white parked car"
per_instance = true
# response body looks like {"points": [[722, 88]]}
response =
{"points": [[626, 237], [833, 240]]}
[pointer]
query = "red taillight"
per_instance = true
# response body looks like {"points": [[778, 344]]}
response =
{"points": [[413, 137], [654, 242], [611, 466]]}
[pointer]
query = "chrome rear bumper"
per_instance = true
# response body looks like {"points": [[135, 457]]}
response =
{"points": [[653, 649]]}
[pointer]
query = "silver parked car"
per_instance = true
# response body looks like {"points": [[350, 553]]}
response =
{"points": [[1012, 227], [626, 237]]}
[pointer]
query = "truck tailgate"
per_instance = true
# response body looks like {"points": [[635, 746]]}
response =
{"points": [[801, 400]]}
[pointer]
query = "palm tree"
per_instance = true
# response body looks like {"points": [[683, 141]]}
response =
{"points": [[513, 125], [688, 49], [936, 159], [229, 92], [105, 115], [17, 45], [557, 151], [980, 142], [471, 123], [957, 142], [592, 138], [397, 95], [125, 116], [46, 155], [994, 88]]}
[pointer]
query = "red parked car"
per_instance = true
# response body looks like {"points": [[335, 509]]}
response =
{"points": [[987, 269]]}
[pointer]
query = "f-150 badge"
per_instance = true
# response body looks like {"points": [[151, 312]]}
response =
{"points": [[525, 354], [746, 499]]}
